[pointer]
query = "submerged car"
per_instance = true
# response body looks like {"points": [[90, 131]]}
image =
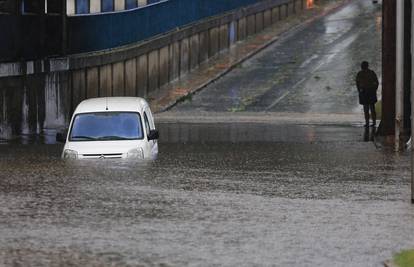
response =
{"points": [[111, 127]]}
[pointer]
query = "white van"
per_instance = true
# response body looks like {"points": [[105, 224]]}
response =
{"points": [[111, 127]]}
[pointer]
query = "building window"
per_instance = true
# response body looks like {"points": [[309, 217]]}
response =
{"points": [[82, 6], [129, 4], [54, 6], [107, 5], [33, 6], [4, 6]]}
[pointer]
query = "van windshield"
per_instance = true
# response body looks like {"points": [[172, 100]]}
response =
{"points": [[106, 126]]}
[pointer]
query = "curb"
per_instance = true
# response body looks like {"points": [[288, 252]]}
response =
{"points": [[389, 263], [282, 35]]}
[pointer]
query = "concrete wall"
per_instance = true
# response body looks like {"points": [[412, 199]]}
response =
{"points": [[28, 96]]}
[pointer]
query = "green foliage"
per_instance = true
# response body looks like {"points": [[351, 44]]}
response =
{"points": [[405, 258]]}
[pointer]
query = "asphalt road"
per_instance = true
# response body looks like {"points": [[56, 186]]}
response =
{"points": [[310, 69]]}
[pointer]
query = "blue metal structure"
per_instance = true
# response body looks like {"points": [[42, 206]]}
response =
{"points": [[35, 36], [87, 33]]}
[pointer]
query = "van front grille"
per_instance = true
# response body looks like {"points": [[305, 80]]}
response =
{"points": [[106, 156]]}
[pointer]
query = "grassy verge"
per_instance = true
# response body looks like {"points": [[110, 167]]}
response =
{"points": [[405, 258]]}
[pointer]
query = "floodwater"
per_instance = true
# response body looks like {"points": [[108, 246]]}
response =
{"points": [[314, 198]]}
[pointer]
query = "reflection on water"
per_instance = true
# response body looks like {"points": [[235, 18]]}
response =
{"points": [[369, 134], [253, 132]]}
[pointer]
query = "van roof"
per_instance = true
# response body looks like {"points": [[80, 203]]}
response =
{"points": [[108, 104]]}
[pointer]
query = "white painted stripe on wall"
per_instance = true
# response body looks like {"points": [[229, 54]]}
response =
{"points": [[142, 2], [70, 7], [119, 5], [95, 6]]}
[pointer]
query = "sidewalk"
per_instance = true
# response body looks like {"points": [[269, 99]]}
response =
{"points": [[218, 66]]}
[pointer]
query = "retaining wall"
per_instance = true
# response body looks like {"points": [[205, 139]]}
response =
{"points": [[38, 95]]}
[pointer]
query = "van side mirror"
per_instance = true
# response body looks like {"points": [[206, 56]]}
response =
{"points": [[61, 137], [153, 135]]}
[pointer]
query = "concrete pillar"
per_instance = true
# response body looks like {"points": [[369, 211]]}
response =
{"points": [[78, 86], [224, 37], [259, 22], [164, 65], [203, 43], [55, 95], [118, 76], [233, 32], [70, 7], [412, 101], [35, 95], [153, 70], [12, 107], [291, 8], [105, 80], [174, 61], [386, 127], [131, 77], [194, 51], [399, 84], [213, 41], [251, 25], [303, 4], [275, 14], [284, 11], [119, 5], [92, 82], [95, 6], [241, 29], [184, 56], [267, 19], [142, 75]]}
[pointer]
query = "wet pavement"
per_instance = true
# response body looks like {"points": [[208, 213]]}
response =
{"points": [[309, 69], [268, 188]]}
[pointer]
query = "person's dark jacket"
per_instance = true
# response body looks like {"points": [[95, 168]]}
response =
{"points": [[367, 84]]}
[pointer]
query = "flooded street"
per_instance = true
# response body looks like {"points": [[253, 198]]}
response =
{"points": [[333, 200], [269, 166]]}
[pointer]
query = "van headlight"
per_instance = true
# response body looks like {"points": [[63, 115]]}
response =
{"points": [[70, 154], [136, 153]]}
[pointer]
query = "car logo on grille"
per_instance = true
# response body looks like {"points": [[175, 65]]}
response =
{"points": [[102, 157]]}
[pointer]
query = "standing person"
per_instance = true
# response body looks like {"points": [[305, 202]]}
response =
{"points": [[367, 84]]}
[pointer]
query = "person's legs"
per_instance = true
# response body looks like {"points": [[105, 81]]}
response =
{"points": [[373, 114], [366, 113]]}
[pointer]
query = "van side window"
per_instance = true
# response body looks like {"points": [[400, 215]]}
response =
{"points": [[146, 122]]}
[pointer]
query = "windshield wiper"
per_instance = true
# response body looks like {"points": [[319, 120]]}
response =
{"points": [[113, 137], [83, 137]]}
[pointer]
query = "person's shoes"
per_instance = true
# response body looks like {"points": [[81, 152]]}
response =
{"points": [[374, 125], [366, 125]]}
